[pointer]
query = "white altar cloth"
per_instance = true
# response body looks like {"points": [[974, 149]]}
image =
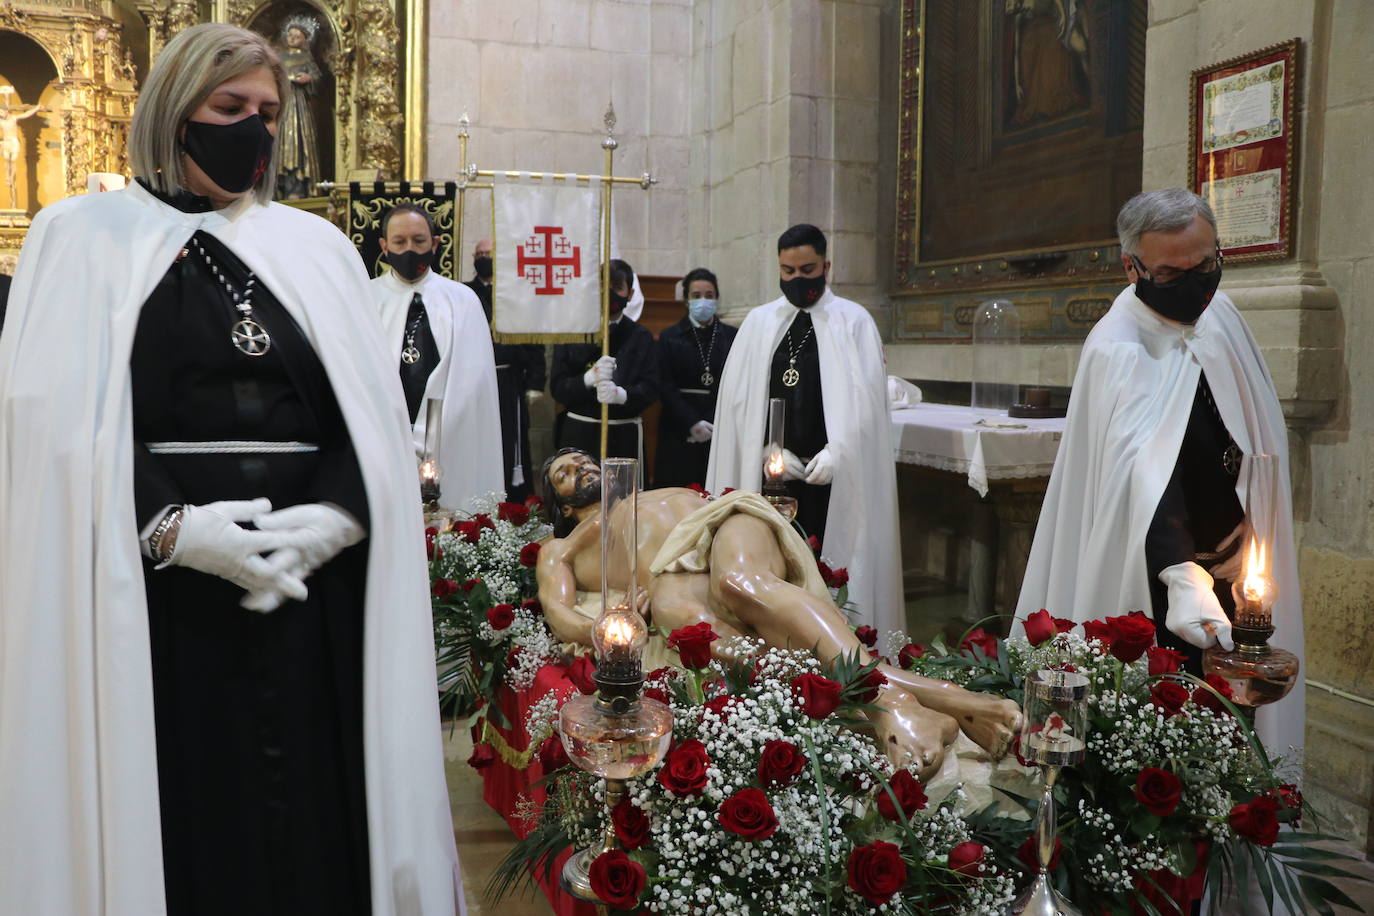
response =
{"points": [[983, 444]]}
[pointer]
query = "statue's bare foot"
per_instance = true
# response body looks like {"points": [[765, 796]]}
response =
{"points": [[911, 734], [991, 722]]}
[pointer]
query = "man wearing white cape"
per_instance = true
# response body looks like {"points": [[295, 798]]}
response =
{"points": [[164, 747], [1149, 485], [839, 438], [437, 334]]}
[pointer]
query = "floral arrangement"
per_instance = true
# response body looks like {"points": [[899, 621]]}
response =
{"points": [[489, 629], [769, 801], [1176, 789]]}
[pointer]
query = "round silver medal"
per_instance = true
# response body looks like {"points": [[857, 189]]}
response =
{"points": [[250, 338], [410, 355]]}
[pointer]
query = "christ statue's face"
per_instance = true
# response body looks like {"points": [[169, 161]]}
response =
{"points": [[295, 38], [576, 481]]}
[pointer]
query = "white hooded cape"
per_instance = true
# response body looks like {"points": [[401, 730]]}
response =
{"points": [[861, 528], [470, 442], [79, 823], [1132, 396]]}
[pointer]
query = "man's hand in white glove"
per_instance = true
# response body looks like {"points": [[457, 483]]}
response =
{"points": [[608, 392], [210, 541], [287, 561], [792, 467], [820, 470], [603, 370], [317, 532], [1195, 615], [1230, 568], [701, 431]]}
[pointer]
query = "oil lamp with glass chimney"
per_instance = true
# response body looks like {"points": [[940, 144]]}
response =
{"points": [[430, 472], [774, 489], [616, 733]]}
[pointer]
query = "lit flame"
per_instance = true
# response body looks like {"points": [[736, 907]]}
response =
{"points": [[619, 632], [775, 465], [1257, 583], [429, 470]]}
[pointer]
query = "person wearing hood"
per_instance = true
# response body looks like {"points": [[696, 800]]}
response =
{"points": [[437, 332], [823, 356], [691, 358], [217, 688]]}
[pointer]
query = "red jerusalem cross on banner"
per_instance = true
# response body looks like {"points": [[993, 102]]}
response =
{"points": [[549, 263]]}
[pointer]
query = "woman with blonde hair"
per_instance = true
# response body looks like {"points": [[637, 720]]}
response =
{"points": [[216, 670]]}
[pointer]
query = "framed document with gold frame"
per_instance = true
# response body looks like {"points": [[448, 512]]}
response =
{"points": [[1243, 131]]}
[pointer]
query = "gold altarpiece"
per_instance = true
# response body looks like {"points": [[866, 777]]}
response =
{"points": [[82, 61]]}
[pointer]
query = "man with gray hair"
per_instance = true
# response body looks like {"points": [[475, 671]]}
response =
{"points": [[1152, 496]]}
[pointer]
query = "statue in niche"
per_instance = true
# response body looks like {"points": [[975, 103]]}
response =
{"points": [[1049, 60], [11, 145], [297, 132]]}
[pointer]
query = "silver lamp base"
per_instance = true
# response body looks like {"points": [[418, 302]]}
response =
{"points": [[1041, 899], [575, 878]]}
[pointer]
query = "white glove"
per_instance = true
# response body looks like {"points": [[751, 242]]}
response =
{"points": [[701, 431], [820, 470], [288, 561], [608, 392], [604, 369], [1230, 568], [211, 541], [792, 467], [316, 531], [1195, 615]]}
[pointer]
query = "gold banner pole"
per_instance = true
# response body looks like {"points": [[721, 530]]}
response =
{"points": [[608, 144], [463, 123]]}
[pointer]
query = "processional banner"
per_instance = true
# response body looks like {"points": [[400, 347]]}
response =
{"points": [[547, 283], [368, 202]]}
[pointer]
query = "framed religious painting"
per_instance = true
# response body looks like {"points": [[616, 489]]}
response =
{"points": [[1243, 133], [1019, 137]]}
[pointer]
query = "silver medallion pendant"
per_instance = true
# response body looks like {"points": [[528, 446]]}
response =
{"points": [[250, 338], [707, 379], [791, 377], [1231, 459], [410, 355]]}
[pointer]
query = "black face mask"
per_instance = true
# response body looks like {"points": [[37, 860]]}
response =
{"points": [[410, 264], [483, 267], [1183, 300], [803, 292], [233, 156], [618, 302]]}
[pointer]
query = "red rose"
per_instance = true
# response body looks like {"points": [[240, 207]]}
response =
{"points": [[825, 571], [909, 653], [815, 544], [818, 696], [1164, 661], [1063, 624], [684, 769], [1039, 627], [967, 859], [721, 706], [469, 585], [748, 814], [868, 687], [1030, 856], [500, 616], [699, 489], [552, 754], [780, 764], [867, 635], [534, 502], [1257, 820], [1209, 700], [514, 513], [617, 879], [470, 531], [693, 644], [483, 756], [1288, 796], [442, 588], [910, 796], [664, 674], [484, 521], [838, 578], [1169, 696], [876, 871], [533, 606], [656, 693], [1158, 790], [1131, 635], [529, 555], [983, 640], [631, 824], [1098, 629], [580, 673], [430, 550]]}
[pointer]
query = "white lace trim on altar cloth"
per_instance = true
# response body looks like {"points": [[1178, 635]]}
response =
{"points": [[982, 444]]}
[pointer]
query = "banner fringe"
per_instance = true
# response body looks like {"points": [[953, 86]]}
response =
{"points": [[501, 338]]}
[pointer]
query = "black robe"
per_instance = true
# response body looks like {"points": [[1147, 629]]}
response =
{"points": [[259, 717], [519, 368], [415, 376], [1197, 510], [636, 371], [688, 398], [804, 430], [4, 297]]}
